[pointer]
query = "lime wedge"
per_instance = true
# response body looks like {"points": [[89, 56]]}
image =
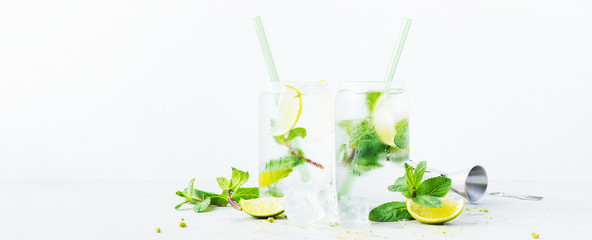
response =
{"points": [[270, 177], [262, 207], [384, 121], [450, 209], [288, 112]]}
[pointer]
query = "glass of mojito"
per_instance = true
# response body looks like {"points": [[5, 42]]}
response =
{"points": [[295, 137], [372, 141]]}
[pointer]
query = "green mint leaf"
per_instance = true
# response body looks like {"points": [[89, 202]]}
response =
{"points": [[419, 170], [181, 204], [296, 132], [409, 176], [246, 193], [400, 185], [371, 98], [435, 187], [201, 206], [181, 194], [348, 125], [190, 186], [399, 188], [389, 212], [397, 154], [238, 179], [223, 183], [289, 161], [402, 136], [427, 201], [361, 131]]}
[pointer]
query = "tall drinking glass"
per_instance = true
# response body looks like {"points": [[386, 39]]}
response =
{"points": [[295, 137], [372, 141]]}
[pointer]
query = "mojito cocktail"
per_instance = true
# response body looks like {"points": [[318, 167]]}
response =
{"points": [[372, 140], [295, 137]]}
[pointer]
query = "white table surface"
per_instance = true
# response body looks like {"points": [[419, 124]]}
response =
{"points": [[134, 209]]}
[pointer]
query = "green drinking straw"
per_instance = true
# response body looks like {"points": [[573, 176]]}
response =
{"points": [[265, 49], [390, 73]]}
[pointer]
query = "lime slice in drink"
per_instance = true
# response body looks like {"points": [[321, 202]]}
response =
{"points": [[270, 177], [450, 209], [288, 112], [262, 207], [384, 121]]}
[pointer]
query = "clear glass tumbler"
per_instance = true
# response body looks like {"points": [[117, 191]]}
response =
{"points": [[372, 141], [295, 137]]}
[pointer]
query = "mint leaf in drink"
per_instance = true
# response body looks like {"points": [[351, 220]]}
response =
{"points": [[402, 136], [371, 98], [427, 201], [296, 132], [289, 161], [201, 206], [389, 212], [348, 125], [435, 187]]}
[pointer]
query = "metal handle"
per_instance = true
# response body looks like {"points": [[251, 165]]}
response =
{"points": [[521, 197]]}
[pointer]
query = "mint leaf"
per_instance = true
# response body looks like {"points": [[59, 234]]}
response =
{"points": [[245, 193], [419, 170], [389, 212], [427, 201], [201, 206], [435, 187], [238, 179], [409, 176], [181, 204], [296, 132], [400, 185], [402, 136], [289, 161], [223, 182], [348, 125], [190, 186], [371, 98], [361, 131]]}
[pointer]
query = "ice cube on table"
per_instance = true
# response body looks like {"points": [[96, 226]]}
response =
{"points": [[353, 209], [307, 203]]}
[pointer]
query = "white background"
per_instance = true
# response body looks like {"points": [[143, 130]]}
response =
{"points": [[126, 90]]}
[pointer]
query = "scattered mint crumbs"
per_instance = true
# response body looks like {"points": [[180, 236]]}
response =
{"points": [[535, 235], [157, 230], [426, 193], [182, 224]]}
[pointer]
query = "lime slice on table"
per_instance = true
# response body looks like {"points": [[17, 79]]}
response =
{"points": [[450, 209], [270, 177], [262, 207], [289, 108]]}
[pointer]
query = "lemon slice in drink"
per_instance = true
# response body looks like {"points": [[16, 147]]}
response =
{"points": [[262, 207], [288, 112], [450, 209], [384, 121]]}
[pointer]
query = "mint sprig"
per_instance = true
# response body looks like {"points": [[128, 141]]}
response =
{"points": [[426, 193], [231, 193]]}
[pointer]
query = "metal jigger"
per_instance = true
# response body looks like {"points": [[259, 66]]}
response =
{"points": [[469, 183]]}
